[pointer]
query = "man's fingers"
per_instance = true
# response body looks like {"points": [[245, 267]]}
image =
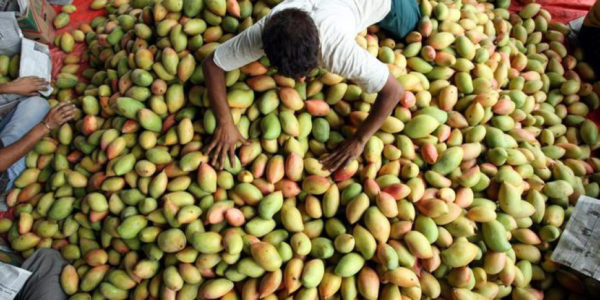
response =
{"points": [[66, 107], [211, 146], [39, 81], [327, 158], [66, 115], [333, 156], [59, 106], [245, 142], [336, 164], [66, 110], [232, 156], [343, 163], [330, 161], [222, 157], [215, 154]]}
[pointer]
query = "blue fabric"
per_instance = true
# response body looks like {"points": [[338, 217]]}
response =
{"points": [[16, 124], [402, 19]]}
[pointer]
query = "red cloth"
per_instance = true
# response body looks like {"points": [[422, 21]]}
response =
{"points": [[9, 214], [562, 11], [83, 15]]}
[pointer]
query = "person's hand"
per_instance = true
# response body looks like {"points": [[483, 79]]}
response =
{"points": [[26, 86], [223, 143], [344, 153], [59, 114]]}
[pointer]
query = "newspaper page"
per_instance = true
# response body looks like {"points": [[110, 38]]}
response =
{"points": [[10, 34], [12, 278], [35, 61], [579, 244]]}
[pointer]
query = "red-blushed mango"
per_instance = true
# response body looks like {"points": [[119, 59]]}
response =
{"points": [[240, 98], [294, 166], [261, 83], [275, 169], [270, 283], [315, 185], [215, 288], [290, 98], [207, 178], [377, 223], [402, 277], [69, 279], [266, 256], [317, 107], [186, 67]]}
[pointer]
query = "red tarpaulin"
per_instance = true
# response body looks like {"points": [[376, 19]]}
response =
{"points": [[83, 15], [562, 10]]}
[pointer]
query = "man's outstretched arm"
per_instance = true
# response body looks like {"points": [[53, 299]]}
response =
{"points": [[60, 114], [387, 99], [226, 134]]}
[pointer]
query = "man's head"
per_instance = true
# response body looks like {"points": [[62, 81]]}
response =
{"points": [[291, 42]]}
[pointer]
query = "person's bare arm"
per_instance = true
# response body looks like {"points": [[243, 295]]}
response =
{"points": [[226, 135], [57, 116], [388, 98], [26, 86]]}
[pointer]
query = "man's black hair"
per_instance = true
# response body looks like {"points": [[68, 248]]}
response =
{"points": [[291, 42]]}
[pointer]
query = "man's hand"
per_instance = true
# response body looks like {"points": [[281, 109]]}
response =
{"points": [[344, 153], [26, 86], [59, 114], [223, 143], [387, 99]]}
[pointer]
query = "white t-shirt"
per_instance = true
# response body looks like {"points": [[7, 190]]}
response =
{"points": [[338, 23]]}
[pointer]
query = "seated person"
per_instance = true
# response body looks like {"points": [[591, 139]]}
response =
{"points": [[588, 37], [24, 120], [45, 266], [299, 35]]}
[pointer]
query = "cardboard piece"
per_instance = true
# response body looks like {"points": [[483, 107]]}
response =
{"points": [[34, 17]]}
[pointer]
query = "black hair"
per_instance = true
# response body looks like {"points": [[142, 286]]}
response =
{"points": [[291, 42]]}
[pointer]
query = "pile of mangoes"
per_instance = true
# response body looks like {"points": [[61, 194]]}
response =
{"points": [[9, 67], [462, 194]]}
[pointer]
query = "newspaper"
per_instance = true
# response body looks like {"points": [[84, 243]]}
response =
{"points": [[35, 61], [10, 34], [579, 244], [12, 280]]}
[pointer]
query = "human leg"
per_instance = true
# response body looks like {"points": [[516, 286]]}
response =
{"points": [[45, 266], [402, 18], [21, 119], [575, 26], [588, 37]]}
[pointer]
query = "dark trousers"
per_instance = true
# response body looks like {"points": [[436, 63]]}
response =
{"points": [[45, 266], [589, 38], [402, 18]]}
